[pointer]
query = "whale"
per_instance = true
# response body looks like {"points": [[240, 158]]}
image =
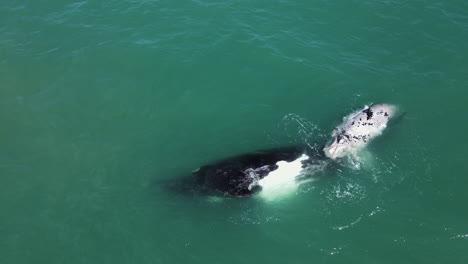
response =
{"points": [[246, 174], [358, 129]]}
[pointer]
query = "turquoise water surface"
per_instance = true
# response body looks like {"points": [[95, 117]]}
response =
{"points": [[105, 104]]}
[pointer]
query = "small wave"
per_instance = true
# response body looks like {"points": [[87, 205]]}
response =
{"points": [[464, 236], [348, 225], [300, 130]]}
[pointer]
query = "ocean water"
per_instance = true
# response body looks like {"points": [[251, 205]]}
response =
{"points": [[104, 105]]}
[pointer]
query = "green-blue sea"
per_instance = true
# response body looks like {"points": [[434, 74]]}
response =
{"points": [[104, 105]]}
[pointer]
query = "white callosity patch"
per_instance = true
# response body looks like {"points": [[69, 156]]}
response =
{"points": [[282, 180], [254, 174], [358, 129]]}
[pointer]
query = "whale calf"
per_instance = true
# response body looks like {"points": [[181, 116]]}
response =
{"points": [[358, 129]]}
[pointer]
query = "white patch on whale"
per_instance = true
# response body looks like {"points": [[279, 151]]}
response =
{"points": [[282, 180]]}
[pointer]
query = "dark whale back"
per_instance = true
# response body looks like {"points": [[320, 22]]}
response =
{"points": [[230, 177]]}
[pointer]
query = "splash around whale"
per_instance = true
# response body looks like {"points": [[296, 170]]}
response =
{"points": [[280, 170]]}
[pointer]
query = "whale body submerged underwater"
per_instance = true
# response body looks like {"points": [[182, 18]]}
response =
{"points": [[246, 174]]}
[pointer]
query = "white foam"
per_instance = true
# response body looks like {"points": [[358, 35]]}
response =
{"points": [[282, 181]]}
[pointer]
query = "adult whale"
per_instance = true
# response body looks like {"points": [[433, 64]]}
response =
{"points": [[358, 129], [243, 175]]}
